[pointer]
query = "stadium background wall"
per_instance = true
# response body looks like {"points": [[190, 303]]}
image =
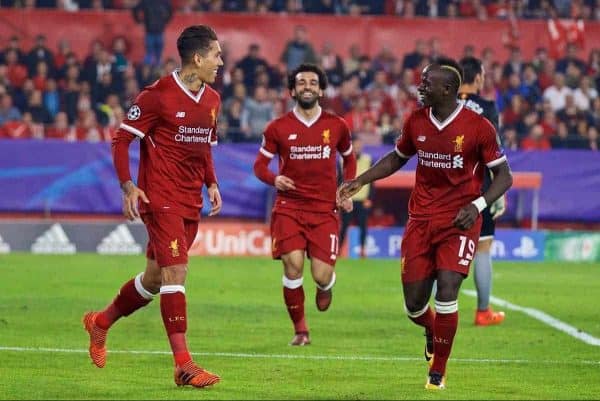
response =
{"points": [[272, 31]]}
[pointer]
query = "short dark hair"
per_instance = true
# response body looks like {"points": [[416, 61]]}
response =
{"points": [[306, 67], [195, 39], [453, 69], [471, 67]]}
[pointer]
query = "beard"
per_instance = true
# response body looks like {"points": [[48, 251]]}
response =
{"points": [[306, 104]]}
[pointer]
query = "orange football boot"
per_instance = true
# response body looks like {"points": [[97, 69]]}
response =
{"points": [[97, 347], [191, 375], [488, 317]]}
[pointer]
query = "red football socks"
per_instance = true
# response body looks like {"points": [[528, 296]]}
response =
{"points": [[426, 319], [443, 335], [125, 303], [173, 311], [294, 300]]}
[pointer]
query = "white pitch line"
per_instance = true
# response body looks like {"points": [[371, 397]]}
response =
{"points": [[310, 357], [544, 318]]}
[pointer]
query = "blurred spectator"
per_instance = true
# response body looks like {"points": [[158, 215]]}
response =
{"points": [[570, 58], [556, 94], [8, 112], [585, 94], [40, 78], [14, 43], [298, 50], [384, 60], [535, 140], [510, 139], [351, 62], [364, 72], [16, 72], [51, 98], [413, 59], [61, 128], [119, 48], [435, 48], [514, 65], [233, 117], [569, 114], [332, 64], [593, 138], [155, 15], [256, 113], [39, 112], [250, 64], [38, 53]]}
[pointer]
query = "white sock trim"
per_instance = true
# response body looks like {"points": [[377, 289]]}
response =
{"points": [[171, 289], [417, 313], [446, 307], [140, 288], [328, 286], [292, 284]]}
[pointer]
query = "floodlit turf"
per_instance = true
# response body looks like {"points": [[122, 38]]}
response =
{"points": [[364, 347]]}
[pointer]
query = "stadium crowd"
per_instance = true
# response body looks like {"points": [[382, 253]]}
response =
{"points": [[52, 93], [482, 9]]}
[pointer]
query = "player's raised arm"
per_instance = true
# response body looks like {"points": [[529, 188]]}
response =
{"points": [[386, 166]]}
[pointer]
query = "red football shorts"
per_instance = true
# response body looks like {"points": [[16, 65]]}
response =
{"points": [[169, 238], [317, 233], [431, 245]]}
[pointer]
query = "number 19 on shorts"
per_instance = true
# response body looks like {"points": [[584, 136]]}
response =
{"points": [[466, 255]]}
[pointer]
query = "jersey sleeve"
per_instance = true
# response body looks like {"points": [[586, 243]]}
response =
{"points": [[490, 150], [269, 142], [405, 146], [143, 115], [345, 144]]}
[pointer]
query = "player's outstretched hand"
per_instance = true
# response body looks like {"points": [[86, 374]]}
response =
{"points": [[347, 205], [498, 208], [215, 200], [347, 190], [284, 183], [131, 194], [466, 217]]}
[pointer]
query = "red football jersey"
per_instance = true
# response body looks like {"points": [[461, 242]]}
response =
{"points": [[307, 154], [451, 159], [177, 129]]}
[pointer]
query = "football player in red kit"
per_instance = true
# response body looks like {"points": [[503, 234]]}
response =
{"points": [[453, 146], [305, 217], [175, 119]]}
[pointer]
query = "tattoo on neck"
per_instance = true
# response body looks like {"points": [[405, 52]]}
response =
{"points": [[190, 79]]}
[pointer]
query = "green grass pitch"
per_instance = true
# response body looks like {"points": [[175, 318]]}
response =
{"points": [[364, 347]]}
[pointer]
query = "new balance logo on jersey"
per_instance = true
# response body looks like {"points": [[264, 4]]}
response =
{"points": [[4, 247], [421, 138], [180, 114], [54, 240], [292, 137], [119, 241], [457, 161]]}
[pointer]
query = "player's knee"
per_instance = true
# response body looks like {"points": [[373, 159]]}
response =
{"points": [[415, 307], [326, 280], [173, 275], [151, 282]]}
